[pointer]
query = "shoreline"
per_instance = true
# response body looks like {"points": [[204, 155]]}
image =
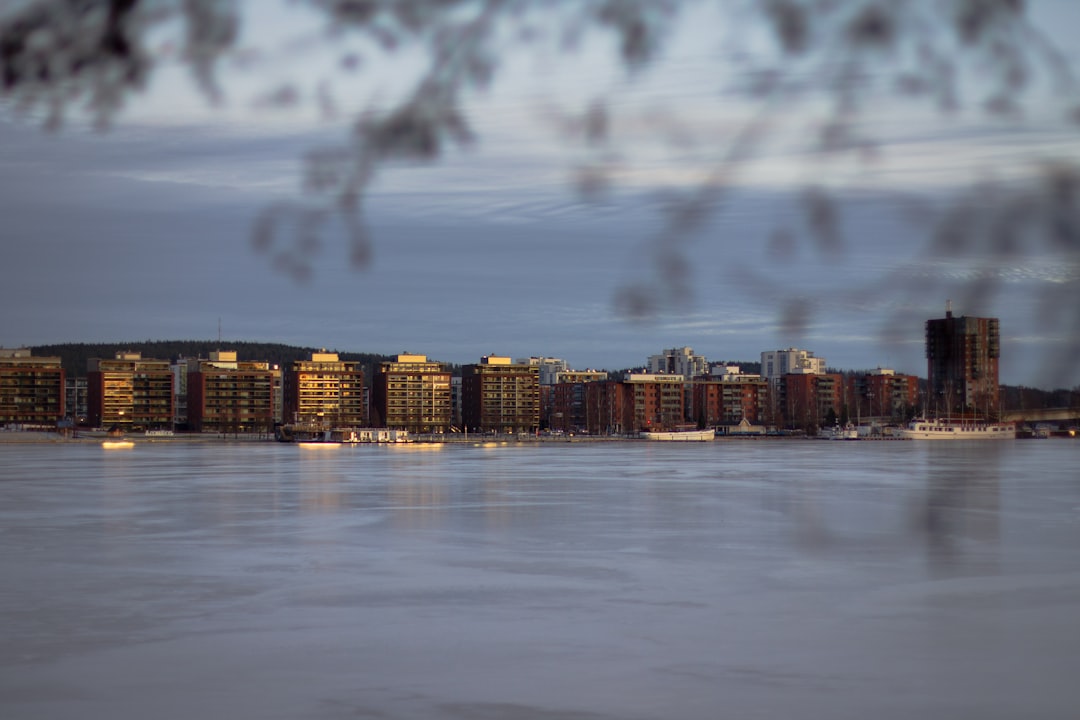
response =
{"points": [[37, 437], [29, 437]]}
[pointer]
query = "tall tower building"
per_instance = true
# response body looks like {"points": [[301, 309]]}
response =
{"points": [[962, 364]]}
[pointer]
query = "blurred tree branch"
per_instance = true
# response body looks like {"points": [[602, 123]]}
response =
{"points": [[815, 67]]}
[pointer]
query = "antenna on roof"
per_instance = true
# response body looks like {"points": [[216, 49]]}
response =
{"points": [[948, 308], [219, 330]]}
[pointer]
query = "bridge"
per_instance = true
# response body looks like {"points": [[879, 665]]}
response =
{"points": [[1035, 415]]}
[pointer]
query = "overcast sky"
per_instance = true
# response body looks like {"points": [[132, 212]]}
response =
{"points": [[144, 231]]}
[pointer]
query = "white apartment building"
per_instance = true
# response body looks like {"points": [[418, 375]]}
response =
{"points": [[732, 373], [549, 368], [777, 363], [679, 361]]}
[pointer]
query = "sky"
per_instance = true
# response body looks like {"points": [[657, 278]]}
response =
{"points": [[144, 230]]}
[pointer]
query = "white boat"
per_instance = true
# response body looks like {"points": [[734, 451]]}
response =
{"points": [[679, 435], [840, 432], [957, 430]]}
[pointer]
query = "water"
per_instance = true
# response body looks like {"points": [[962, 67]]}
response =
{"points": [[560, 582]]}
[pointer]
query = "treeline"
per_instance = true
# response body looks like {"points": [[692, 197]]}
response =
{"points": [[74, 356], [1028, 398]]}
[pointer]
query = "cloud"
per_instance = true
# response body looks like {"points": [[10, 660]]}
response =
{"points": [[144, 231]]}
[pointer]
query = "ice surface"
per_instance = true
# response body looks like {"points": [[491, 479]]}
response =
{"points": [[554, 581]]}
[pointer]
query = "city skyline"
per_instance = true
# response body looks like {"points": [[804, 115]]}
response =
{"points": [[653, 363], [643, 364]]}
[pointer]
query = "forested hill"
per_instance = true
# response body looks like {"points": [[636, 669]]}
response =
{"points": [[74, 356]]}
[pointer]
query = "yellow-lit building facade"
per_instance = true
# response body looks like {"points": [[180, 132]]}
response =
{"points": [[31, 388], [129, 392], [325, 391], [412, 393], [498, 394], [229, 395]]}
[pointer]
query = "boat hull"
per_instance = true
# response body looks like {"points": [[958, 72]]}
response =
{"points": [[942, 430], [679, 435]]}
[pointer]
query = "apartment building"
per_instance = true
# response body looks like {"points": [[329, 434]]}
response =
{"points": [[881, 395], [678, 361], [609, 407], [962, 356], [658, 401], [775, 364], [808, 401], [501, 395], [324, 391], [549, 367], [225, 394], [129, 392], [567, 406], [32, 389], [412, 393], [730, 398]]}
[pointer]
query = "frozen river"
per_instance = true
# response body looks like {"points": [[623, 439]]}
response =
{"points": [[605, 581]]}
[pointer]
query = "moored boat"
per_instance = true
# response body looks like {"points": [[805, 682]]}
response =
{"points": [[957, 430], [312, 434], [679, 435], [840, 432]]}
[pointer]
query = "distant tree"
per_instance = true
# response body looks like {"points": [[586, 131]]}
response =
{"points": [[811, 69]]}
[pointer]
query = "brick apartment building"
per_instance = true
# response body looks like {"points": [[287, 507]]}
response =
{"points": [[608, 408], [500, 395], [807, 401], [881, 395], [229, 395], [640, 401], [729, 399], [566, 406]]}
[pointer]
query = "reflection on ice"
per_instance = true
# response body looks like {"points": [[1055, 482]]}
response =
{"points": [[729, 579], [961, 517]]}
